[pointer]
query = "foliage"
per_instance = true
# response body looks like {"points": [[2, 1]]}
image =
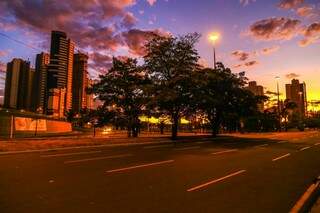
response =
{"points": [[170, 63], [170, 83], [122, 90], [222, 96]]}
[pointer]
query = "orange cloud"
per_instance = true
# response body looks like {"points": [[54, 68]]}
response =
{"points": [[269, 50], [240, 55], [275, 29], [311, 34], [305, 11], [292, 75], [289, 4], [135, 39]]}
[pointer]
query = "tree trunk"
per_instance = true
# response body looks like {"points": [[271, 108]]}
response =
{"points": [[215, 129], [215, 125], [161, 128], [174, 132], [135, 127]]}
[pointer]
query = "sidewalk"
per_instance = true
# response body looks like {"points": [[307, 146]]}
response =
{"points": [[59, 142], [290, 136]]}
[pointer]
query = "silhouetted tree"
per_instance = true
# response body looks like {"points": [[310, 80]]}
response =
{"points": [[288, 107], [222, 96], [122, 91], [170, 63]]}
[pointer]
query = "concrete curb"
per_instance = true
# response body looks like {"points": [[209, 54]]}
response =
{"points": [[308, 199], [102, 145]]}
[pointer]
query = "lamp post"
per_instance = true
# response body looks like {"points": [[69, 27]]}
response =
{"points": [[213, 38], [301, 109], [278, 104]]}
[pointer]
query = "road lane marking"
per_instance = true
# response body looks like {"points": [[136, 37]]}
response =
{"points": [[225, 151], [262, 145], [140, 166], [215, 181], [317, 144], [187, 148], [70, 154], [158, 146], [283, 156], [304, 148], [202, 142], [283, 142], [97, 158]]}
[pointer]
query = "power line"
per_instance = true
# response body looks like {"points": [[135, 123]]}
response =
{"points": [[20, 42]]}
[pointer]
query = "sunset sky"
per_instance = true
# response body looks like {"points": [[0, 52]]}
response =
{"points": [[265, 38]]}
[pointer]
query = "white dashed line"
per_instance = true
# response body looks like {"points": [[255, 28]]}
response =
{"points": [[69, 154], [97, 158], [225, 151], [140, 166], [262, 145], [158, 146], [304, 148], [283, 156], [187, 148], [215, 181]]}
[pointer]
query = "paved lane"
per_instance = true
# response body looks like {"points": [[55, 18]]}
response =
{"points": [[228, 176]]}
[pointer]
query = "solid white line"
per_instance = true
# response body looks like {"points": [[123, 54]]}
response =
{"points": [[215, 181], [304, 148], [69, 154], [158, 146], [225, 151], [140, 166], [97, 158], [187, 148], [317, 144], [283, 142], [283, 156], [262, 145]]}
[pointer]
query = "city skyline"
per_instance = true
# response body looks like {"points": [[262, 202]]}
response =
{"points": [[55, 86], [160, 106], [274, 51]]}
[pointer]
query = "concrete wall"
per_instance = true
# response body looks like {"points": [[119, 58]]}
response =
{"points": [[24, 125], [58, 126]]}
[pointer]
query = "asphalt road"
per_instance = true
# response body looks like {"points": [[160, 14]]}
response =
{"points": [[225, 175]]}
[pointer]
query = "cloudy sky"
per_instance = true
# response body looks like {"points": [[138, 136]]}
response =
{"points": [[265, 38]]}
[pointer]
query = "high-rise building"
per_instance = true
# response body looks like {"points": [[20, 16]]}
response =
{"points": [[30, 86], [80, 82], [296, 92], [91, 103], [60, 67], [56, 102], [258, 91], [18, 85], [40, 82]]}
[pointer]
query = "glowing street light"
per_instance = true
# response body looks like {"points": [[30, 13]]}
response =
{"points": [[213, 38]]}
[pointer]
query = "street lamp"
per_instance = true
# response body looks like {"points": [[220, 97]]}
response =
{"points": [[278, 105], [213, 38]]}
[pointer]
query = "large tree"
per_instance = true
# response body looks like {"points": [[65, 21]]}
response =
{"points": [[221, 96], [122, 91], [170, 63]]}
